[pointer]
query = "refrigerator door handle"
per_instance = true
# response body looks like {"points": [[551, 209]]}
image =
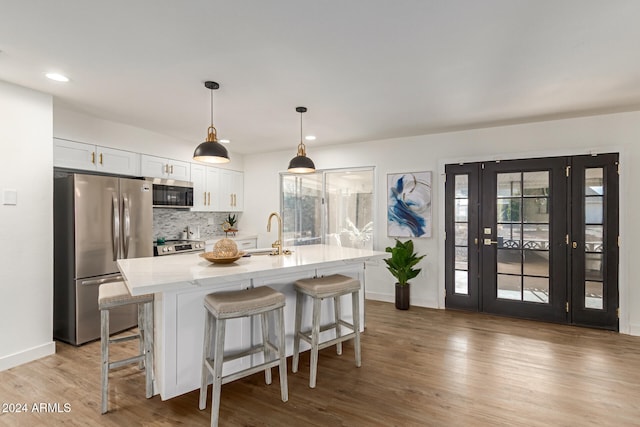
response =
{"points": [[115, 227], [126, 226], [91, 282]]}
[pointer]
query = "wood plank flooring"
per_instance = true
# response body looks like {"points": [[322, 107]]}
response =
{"points": [[420, 367]]}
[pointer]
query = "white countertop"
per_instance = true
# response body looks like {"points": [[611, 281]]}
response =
{"points": [[166, 273]]}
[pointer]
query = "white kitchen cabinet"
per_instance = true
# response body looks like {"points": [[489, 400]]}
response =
{"points": [[231, 191], [160, 167], [243, 243], [79, 155], [205, 188]]}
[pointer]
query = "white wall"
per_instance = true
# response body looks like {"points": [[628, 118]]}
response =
{"points": [[26, 229], [75, 126], [606, 133]]}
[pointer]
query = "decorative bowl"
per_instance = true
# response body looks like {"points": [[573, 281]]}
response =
{"points": [[212, 257]]}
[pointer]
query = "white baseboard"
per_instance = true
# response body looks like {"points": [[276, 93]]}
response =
{"points": [[634, 329], [28, 355], [418, 302]]}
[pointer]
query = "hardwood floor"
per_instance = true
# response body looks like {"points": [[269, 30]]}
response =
{"points": [[420, 367]]}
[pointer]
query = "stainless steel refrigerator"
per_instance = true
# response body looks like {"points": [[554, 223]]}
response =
{"points": [[97, 220]]}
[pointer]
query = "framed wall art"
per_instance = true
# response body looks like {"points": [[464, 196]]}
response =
{"points": [[409, 204]]}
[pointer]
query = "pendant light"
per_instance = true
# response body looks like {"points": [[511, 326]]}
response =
{"points": [[211, 151], [301, 163]]}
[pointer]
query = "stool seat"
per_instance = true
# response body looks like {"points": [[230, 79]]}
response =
{"points": [[328, 286], [113, 295], [229, 304], [319, 288], [221, 306]]}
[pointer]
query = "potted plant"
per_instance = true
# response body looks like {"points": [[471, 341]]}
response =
{"points": [[229, 226], [401, 264]]}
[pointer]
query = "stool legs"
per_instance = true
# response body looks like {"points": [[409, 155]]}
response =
{"points": [[147, 338], [145, 347], [217, 371], [284, 390], [355, 301], [336, 310], [296, 334], [315, 341], [104, 345], [266, 351], [204, 380]]}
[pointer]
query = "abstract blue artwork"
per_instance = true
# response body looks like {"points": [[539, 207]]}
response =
{"points": [[409, 204]]}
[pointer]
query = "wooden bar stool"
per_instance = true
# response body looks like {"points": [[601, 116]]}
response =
{"points": [[116, 294], [221, 306], [319, 288]]}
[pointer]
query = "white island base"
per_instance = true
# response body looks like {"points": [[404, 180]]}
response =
{"points": [[180, 283]]}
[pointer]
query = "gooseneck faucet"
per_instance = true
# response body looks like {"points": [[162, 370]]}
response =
{"points": [[278, 243]]}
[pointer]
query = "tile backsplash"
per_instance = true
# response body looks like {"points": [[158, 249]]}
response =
{"points": [[170, 223]]}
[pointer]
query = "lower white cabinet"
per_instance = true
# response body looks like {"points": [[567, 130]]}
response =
{"points": [[78, 155], [243, 243]]}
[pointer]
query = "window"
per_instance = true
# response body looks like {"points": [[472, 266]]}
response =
{"points": [[331, 207]]}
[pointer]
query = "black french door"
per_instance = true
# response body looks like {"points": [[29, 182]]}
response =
{"points": [[534, 238]]}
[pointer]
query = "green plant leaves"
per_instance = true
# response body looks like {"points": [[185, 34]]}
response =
{"points": [[402, 261]]}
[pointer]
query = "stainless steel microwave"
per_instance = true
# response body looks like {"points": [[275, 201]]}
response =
{"points": [[170, 193]]}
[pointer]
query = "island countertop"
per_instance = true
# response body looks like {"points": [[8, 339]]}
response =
{"points": [[168, 273]]}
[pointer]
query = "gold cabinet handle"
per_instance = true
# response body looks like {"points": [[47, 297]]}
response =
{"points": [[100, 158], [93, 157], [204, 198], [172, 169], [166, 168], [209, 202]]}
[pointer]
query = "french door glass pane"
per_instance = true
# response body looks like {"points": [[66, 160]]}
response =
{"points": [[593, 237], [523, 236], [461, 227], [509, 287]]}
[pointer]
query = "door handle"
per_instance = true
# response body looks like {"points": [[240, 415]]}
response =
{"points": [[489, 242], [115, 226], [126, 226]]}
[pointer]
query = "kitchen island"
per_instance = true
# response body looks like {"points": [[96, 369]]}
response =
{"points": [[180, 283]]}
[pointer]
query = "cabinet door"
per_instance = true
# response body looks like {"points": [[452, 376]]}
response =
{"points": [[199, 187], [73, 155], [213, 188], [244, 244], [154, 167], [231, 190], [237, 191], [179, 170], [117, 161]]}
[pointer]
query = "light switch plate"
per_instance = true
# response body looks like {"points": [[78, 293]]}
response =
{"points": [[10, 197]]}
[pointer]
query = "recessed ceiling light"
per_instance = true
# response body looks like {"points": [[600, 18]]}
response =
{"points": [[57, 77], [224, 141], [310, 138]]}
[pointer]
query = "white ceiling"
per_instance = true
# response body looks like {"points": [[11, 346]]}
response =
{"points": [[365, 69]]}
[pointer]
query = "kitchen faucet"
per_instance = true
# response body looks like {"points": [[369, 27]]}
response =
{"points": [[278, 243]]}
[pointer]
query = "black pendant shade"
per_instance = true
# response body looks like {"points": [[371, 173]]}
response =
{"points": [[301, 163], [211, 151]]}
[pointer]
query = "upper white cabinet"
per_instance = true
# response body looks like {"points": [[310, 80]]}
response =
{"points": [[205, 187], [159, 167], [78, 155], [231, 191]]}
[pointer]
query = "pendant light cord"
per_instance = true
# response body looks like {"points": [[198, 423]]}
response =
{"points": [[211, 90]]}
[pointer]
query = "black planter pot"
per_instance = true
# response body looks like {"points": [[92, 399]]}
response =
{"points": [[403, 294]]}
